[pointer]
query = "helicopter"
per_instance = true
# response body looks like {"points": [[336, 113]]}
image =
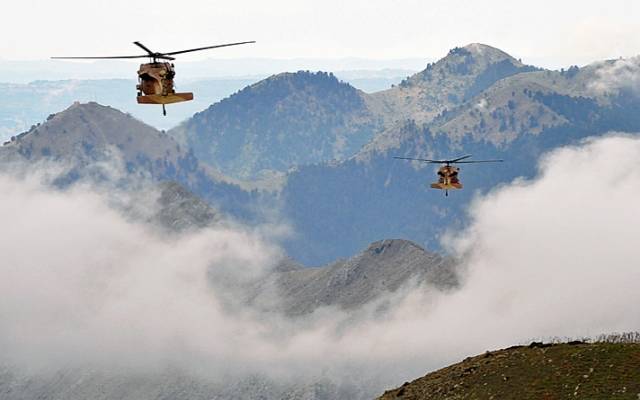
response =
{"points": [[448, 174], [155, 78]]}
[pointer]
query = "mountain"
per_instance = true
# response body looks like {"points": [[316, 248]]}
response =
{"points": [[26, 103], [501, 109], [286, 120], [179, 210], [538, 371], [383, 268], [337, 208], [86, 132], [305, 118], [100, 143], [452, 80]]}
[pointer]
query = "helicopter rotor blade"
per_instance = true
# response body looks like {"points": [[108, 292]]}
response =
{"points": [[459, 158], [422, 159], [97, 58], [143, 47], [454, 161], [478, 161], [207, 47]]}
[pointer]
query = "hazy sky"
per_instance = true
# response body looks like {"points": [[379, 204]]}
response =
{"points": [[544, 32]]}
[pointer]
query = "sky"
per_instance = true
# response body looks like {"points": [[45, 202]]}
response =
{"points": [[546, 33]]}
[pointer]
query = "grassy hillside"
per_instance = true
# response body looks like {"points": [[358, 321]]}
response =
{"points": [[538, 371]]}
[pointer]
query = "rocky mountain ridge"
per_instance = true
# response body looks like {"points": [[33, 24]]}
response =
{"points": [[382, 269]]}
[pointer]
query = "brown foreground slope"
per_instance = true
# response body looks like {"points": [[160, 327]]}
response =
{"points": [[561, 371]]}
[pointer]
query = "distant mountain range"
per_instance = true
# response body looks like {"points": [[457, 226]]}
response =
{"points": [[332, 146], [280, 122], [26, 103], [289, 120], [348, 68], [102, 145], [338, 207]]}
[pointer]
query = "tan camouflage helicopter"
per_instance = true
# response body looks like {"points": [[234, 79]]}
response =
{"points": [[155, 79], [448, 174]]}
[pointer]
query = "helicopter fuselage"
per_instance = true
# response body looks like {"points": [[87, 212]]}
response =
{"points": [[155, 84], [447, 178]]}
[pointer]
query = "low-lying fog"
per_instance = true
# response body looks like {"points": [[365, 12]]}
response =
{"points": [[83, 286]]}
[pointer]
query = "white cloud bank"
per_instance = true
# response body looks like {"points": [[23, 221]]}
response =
{"points": [[555, 256], [615, 75]]}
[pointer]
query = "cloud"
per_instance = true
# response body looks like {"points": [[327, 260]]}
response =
{"points": [[617, 75], [552, 256], [82, 283]]}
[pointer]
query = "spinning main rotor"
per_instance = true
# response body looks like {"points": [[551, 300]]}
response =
{"points": [[449, 162], [154, 55]]}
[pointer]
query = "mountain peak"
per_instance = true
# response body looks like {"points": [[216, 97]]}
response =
{"points": [[384, 267], [285, 120], [387, 246], [294, 80], [471, 59], [460, 75], [89, 109], [90, 113], [303, 74], [91, 131], [479, 49]]}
